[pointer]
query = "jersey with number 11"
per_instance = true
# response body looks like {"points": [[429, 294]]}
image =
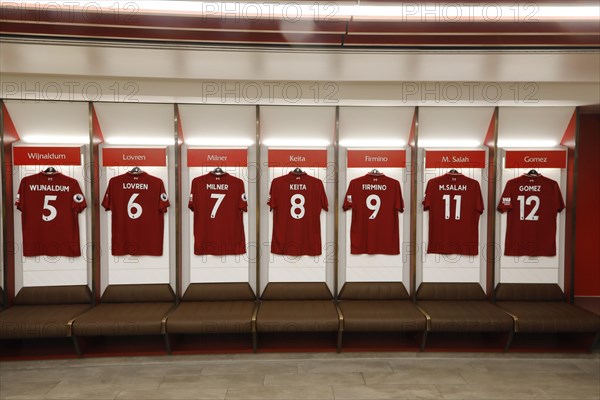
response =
{"points": [[138, 203], [296, 201]]}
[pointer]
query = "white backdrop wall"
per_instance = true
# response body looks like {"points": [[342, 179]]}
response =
{"points": [[138, 125]]}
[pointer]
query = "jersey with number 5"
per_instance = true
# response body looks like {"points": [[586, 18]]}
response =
{"points": [[296, 201], [455, 205], [50, 205], [375, 201], [138, 203], [218, 203], [532, 203]]}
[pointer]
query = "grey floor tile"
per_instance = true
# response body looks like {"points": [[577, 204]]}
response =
{"points": [[119, 383], [442, 364], [18, 387], [351, 365], [491, 392], [574, 392], [174, 394], [351, 378], [252, 367], [532, 365], [282, 393], [386, 392], [414, 376], [525, 378], [82, 393], [212, 381]]}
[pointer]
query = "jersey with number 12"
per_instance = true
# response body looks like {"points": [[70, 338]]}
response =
{"points": [[296, 201], [138, 203]]}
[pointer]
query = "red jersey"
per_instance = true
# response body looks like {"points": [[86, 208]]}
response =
{"points": [[296, 201], [49, 205], [138, 203], [455, 204], [531, 224], [218, 203], [375, 201]]}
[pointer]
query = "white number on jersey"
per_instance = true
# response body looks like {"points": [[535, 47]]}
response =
{"points": [[447, 201], [297, 201], [47, 206], [219, 197], [373, 207], [134, 210], [523, 201]]}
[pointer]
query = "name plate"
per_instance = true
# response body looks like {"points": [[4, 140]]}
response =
{"points": [[536, 159], [217, 158], [29, 155], [376, 159], [455, 159], [134, 157], [298, 158]]}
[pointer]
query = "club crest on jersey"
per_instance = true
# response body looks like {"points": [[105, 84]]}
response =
{"points": [[78, 198], [349, 198], [163, 196], [244, 197], [18, 197], [506, 201]]}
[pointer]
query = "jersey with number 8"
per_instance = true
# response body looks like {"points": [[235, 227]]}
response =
{"points": [[532, 203], [296, 201], [50, 204], [138, 203]]}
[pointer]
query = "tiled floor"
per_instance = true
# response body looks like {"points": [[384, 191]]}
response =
{"points": [[309, 376]]}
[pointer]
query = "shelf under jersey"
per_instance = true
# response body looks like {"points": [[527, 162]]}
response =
{"points": [[375, 200], [50, 205], [532, 203], [455, 205], [218, 203], [296, 201], [138, 203]]}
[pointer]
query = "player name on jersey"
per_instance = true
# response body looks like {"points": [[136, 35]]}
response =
{"points": [[367, 186], [29, 155], [297, 186], [536, 159], [217, 186], [135, 186], [460, 188], [455, 159], [49, 188]]}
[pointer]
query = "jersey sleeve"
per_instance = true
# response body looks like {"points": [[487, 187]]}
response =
{"points": [[164, 199], [506, 199], [242, 199], [324, 202], [192, 191], [78, 203], [560, 204], [479, 197], [272, 202], [426, 199], [399, 202], [106, 201], [348, 199], [20, 203]]}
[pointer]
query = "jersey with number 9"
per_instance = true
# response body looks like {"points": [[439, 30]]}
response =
{"points": [[138, 203], [49, 205]]}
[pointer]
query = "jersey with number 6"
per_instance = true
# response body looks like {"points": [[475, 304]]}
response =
{"points": [[375, 201], [532, 203], [296, 201], [50, 205], [218, 203], [138, 203], [455, 204]]}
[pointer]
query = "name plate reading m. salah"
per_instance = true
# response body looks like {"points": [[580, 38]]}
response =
{"points": [[217, 158], [455, 159], [29, 155], [134, 157], [298, 158], [376, 158], [536, 159]]}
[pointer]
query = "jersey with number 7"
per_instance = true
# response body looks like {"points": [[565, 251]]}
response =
{"points": [[218, 203], [296, 201], [532, 203], [138, 203]]}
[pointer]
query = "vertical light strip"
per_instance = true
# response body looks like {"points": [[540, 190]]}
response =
{"points": [[257, 201], [336, 196], [414, 205], [178, 221], [3, 210], [93, 162], [492, 190], [571, 298]]}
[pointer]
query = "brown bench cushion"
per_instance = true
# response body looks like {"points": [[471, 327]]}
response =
{"points": [[450, 291], [374, 291], [466, 316], [212, 317], [218, 292], [122, 319], [47, 295], [38, 321], [156, 293], [381, 316], [297, 316], [547, 316], [529, 292], [297, 291]]}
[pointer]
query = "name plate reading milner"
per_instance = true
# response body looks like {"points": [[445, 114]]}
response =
{"points": [[217, 158], [455, 159], [29, 155], [536, 159], [376, 158], [134, 157], [298, 158]]}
